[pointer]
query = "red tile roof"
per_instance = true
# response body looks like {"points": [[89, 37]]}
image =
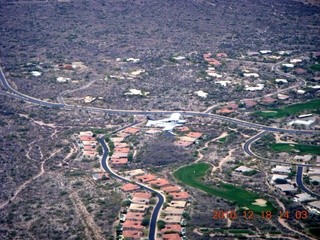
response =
{"points": [[159, 182], [194, 134], [222, 55], [169, 189], [135, 216], [179, 195], [131, 130], [172, 227], [142, 195], [89, 148], [232, 105], [224, 110], [122, 149], [146, 178], [183, 129], [182, 143], [119, 161], [300, 71], [133, 225], [129, 187], [171, 236], [250, 103], [132, 234], [86, 138], [269, 100]]}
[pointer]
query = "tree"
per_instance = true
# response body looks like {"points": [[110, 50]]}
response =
{"points": [[161, 224], [145, 221]]}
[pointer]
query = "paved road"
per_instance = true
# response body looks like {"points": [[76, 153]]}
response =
{"points": [[299, 176], [299, 180], [106, 167], [14, 93]]}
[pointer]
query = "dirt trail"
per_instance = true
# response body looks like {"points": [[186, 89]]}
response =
{"points": [[286, 225], [207, 144], [92, 231], [223, 160], [21, 187]]}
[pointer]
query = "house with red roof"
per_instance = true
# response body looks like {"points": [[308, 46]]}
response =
{"points": [[135, 216], [171, 236], [172, 228], [144, 195], [195, 135], [222, 55], [131, 130], [122, 149], [161, 182], [169, 189], [132, 225], [146, 178], [130, 187], [132, 234], [119, 161], [179, 195]]}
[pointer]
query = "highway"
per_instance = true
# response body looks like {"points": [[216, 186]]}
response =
{"points": [[106, 167]]}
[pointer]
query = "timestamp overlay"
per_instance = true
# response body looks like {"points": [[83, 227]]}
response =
{"points": [[249, 214]]}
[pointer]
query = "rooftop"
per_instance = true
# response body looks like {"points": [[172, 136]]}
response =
{"points": [[159, 182], [172, 228], [129, 224], [179, 195], [131, 130], [146, 178], [129, 187], [136, 216], [171, 236], [144, 195], [171, 189]]}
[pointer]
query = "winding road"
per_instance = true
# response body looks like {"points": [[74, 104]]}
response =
{"points": [[11, 92], [106, 167]]}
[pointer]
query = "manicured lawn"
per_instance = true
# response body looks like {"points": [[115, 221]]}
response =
{"points": [[315, 231], [315, 67], [290, 110], [303, 149], [191, 175]]}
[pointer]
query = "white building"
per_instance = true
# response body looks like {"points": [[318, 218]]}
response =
{"points": [[285, 188], [306, 123], [281, 169], [243, 169], [281, 80], [251, 75], [303, 197], [314, 207], [305, 158], [288, 65]]}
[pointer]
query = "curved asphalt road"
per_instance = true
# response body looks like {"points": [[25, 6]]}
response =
{"points": [[14, 93], [299, 176], [105, 165]]}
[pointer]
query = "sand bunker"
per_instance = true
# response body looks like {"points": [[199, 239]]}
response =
{"points": [[260, 202]]}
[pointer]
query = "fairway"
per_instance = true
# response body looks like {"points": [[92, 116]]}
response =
{"points": [[191, 174], [290, 110], [303, 149]]}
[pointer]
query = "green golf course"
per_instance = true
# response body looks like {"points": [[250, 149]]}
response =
{"points": [[289, 110], [191, 175], [303, 149]]}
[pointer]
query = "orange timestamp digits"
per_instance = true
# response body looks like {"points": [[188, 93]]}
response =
{"points": [[249, 214]]}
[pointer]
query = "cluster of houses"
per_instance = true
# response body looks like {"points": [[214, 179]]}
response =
{"points": [[88, 143], [121, 149], [279, 180], [172, 214], [189, 139]]}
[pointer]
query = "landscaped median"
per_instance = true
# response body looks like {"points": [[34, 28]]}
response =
{"points": [[191, 174]]}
